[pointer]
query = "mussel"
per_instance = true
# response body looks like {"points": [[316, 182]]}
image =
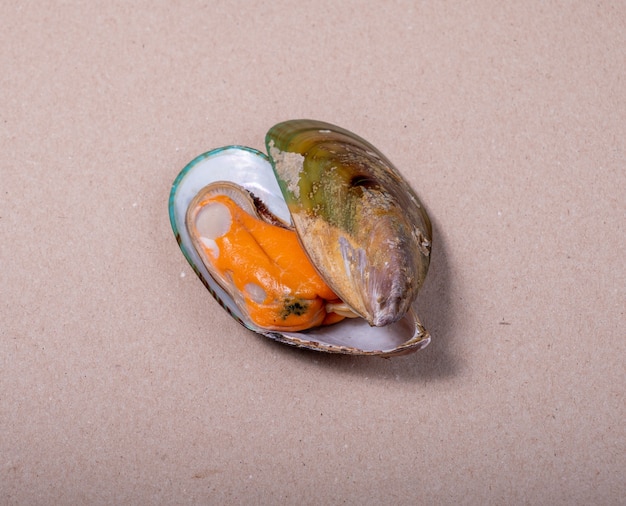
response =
{"points": [[321, 245]]}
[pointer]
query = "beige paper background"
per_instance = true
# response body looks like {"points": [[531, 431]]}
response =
{"points": [[123, 382]]}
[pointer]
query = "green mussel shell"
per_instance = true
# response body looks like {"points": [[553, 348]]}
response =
{"points": [[359, 221]]}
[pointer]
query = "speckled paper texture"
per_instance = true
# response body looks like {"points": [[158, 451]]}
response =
{"points": [[123, 382]]}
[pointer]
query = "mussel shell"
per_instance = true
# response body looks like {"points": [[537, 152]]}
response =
{"points": [[359, 221], [252, 170]]}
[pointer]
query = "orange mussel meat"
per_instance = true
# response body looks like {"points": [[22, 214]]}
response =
{"points": [[263, 263]]}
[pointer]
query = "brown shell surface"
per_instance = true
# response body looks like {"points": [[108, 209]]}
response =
{"points": [[359, 221]]}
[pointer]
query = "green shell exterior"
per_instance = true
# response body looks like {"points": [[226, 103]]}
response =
{"points": [[359, 221]]}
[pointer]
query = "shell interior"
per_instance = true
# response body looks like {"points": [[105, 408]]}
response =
{"points": [[252, 170]]}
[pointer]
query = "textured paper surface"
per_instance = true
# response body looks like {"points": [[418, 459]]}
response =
{"points": [[123, 382]]}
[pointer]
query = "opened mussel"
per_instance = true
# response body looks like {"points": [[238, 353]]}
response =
{"points": [[322, 245]]}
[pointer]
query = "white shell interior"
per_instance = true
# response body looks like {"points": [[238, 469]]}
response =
{"points": [[252, 170], [244, 166]]}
